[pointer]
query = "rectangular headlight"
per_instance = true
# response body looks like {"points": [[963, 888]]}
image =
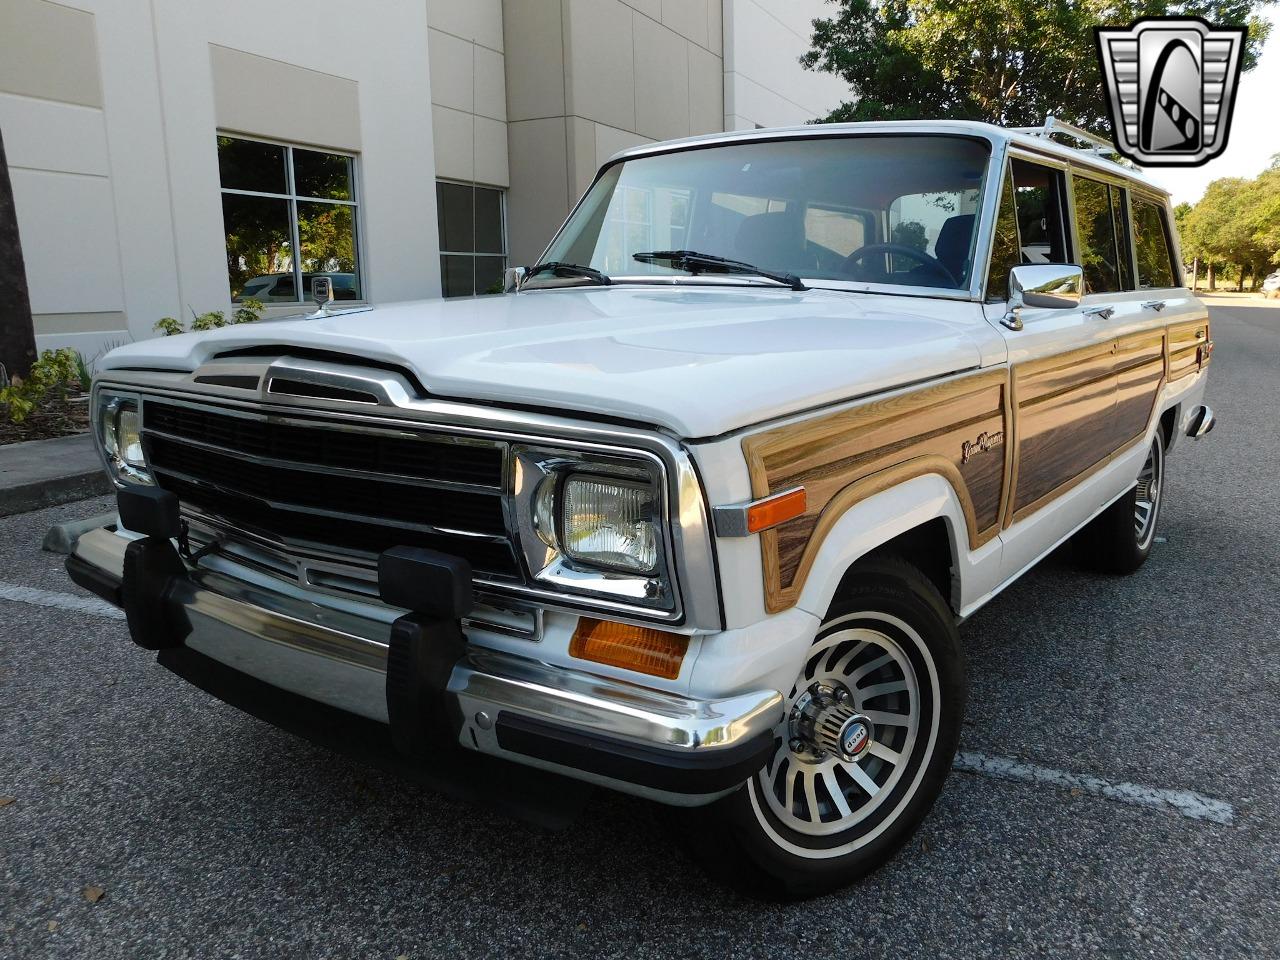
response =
{"points": [[610, 523], [118, 424]]}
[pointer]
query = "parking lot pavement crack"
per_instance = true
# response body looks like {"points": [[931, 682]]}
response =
{"points": [[63, 601], [1188, 803]]}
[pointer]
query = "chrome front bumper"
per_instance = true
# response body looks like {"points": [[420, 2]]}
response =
{"points": [[628, 737]]}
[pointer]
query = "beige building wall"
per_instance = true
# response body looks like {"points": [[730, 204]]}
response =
{"points": [[764, 84], [468, 90], [586, 78], [55, 134]]}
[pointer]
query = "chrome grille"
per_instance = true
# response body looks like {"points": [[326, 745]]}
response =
{"points": [[331, 485]]}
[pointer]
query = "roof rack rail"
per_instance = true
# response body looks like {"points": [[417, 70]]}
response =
{"points": [[1053, 125]]}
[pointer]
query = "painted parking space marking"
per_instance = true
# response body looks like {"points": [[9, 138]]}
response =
{"points": [[1187, 803], [61, 601]]}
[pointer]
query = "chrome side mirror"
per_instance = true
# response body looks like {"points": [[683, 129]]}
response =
{"points": [[1052, 286], [512, 277]]}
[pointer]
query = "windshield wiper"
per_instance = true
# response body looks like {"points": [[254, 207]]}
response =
{"points": [[695, 263], [561, 269]]}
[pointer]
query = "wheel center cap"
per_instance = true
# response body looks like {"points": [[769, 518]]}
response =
{"points": [[824, 722]]}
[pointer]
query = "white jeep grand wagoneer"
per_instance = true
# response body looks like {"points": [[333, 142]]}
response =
{"points": [[692, 512]]}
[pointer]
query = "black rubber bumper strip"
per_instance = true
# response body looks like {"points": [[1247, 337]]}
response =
{"points": [[699, 772], [95, 580], [539, 797]]}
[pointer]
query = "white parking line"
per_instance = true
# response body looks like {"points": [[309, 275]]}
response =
{"points": [[1188, 803], [62, 601]]}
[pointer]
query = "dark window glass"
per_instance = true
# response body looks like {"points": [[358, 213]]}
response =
{"points": [[457, 276], [326, 175], [472, 244], [259, 251], [1151, 243], [1005, 253], [249, 165], [1042, 234], [1120, 217], [488, 221], [327, 239], [457, 219], [1097, 236], [489, 274]]}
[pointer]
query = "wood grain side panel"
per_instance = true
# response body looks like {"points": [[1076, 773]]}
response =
{"points": [[1185, 340], [1140, 366], [844, 457]]}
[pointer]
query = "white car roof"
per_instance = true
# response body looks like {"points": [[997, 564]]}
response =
{"points": [[998, 136]]}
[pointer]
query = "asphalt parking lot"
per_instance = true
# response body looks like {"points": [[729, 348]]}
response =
{"points": [[209, 834]]}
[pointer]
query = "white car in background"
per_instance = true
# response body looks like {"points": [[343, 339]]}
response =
{"points": [[1271, 286]]}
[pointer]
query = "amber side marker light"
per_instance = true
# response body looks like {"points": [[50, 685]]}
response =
{"points": [[775, 510], [642, 649]]}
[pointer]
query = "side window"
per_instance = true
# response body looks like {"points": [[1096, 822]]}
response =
{"points": [[1151, 242], [1040, 200], [1095, 228], [1005, 249]]}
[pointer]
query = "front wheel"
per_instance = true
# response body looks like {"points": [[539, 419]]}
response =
{"points": [[869, 734], [1119, 539]]}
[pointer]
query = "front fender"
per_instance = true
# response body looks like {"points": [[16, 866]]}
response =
{"points": [[875, 521]]}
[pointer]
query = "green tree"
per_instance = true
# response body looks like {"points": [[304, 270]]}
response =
{"points": [[1010, 62]]}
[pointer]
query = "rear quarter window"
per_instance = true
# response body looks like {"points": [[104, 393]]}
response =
{"points": [[1151, 245]]}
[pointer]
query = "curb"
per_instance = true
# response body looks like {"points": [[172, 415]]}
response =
{"points": [[54, 492], [46, 473]]}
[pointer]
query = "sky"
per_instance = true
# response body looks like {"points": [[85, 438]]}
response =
{"points": [[1255, 130]]}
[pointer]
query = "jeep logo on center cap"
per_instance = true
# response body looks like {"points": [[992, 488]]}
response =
{"points": [[856, 737]]}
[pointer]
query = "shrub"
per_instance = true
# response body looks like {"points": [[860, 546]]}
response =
{"points": [[57, 371], [249, 311]]}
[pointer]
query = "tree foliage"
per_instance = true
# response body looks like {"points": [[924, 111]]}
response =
{"points": [[1236, 223], [1010, 62]]}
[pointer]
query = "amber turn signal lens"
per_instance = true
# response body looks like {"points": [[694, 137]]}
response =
{"points": [[775, 510], [642, 649]]}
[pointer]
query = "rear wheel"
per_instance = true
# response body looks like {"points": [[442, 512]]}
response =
{"points": [[1119, 539], [870, 731]]}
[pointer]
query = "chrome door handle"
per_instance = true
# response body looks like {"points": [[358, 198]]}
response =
{"points": [[1156, 305], [1102, 313]]}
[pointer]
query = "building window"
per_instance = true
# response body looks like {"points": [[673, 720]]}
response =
{"points": [[473, 239], [290, 215]]}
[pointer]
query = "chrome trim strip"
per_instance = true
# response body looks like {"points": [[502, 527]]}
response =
{"points": [[731, 519]]}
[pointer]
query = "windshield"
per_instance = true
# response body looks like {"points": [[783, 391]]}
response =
{"points": [[869, 209]]}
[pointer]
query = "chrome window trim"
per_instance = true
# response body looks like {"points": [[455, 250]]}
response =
{"points": [[688, 540]]}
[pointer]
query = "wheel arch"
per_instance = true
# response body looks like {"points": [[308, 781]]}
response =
{"points": [[920, 520]]}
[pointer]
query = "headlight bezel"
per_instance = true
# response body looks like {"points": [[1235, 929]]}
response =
{"points": [[110, 410], [539, 475]]}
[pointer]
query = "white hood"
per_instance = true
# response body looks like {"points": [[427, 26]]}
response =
{"points": [[697, 362]]}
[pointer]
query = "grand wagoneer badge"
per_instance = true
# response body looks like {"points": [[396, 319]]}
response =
{"points": [[1171, 85]]}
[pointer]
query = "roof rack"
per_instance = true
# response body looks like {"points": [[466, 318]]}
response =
{"points": [[1053, 125]]}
